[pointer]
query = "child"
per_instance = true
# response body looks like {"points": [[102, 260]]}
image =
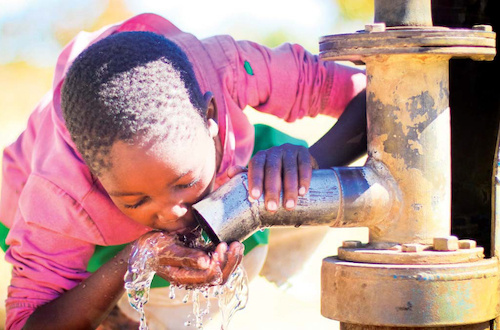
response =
{"points": [[146, 121]]}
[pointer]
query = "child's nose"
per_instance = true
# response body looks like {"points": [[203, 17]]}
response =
{"points": [[172, 212], [179, 210]]}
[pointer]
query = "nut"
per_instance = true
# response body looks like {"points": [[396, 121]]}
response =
{"points": [[483, 27], [449, 243], [375, 27], [351, 244], [412, 247], [467, 244]]}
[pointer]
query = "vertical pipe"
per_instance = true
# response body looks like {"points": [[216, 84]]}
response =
{"points": [[409, 131], [403, 12]]}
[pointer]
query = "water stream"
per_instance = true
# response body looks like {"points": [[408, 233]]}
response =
{"points": [[232, 296]]}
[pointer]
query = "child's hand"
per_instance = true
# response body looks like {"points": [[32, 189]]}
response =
{"points": [[287, 166], [182, 265]]}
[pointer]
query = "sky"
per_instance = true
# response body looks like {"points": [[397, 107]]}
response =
{"points": [[26, 26]]}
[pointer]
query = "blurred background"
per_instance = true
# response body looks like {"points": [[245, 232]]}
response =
{"points": [[33, 32]]}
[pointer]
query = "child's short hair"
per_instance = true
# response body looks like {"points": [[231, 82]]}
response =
{"points": [[135, 87]]}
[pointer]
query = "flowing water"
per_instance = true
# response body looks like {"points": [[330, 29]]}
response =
{"points": [[232, 296]]}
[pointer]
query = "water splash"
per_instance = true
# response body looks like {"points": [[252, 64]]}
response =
{"points": [[232, 296], [138, 278]]}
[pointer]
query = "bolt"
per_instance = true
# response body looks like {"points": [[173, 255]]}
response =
{"points": [[375, 27], [412, 247], [466, 244], [449, 243], [483, 27], [351, 244]]}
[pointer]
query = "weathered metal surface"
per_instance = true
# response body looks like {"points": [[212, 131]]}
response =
{"points": [[412, 285], [477, 326], [403, 12], [410, 295], [468, 43], [396, 255], [409, 131], [447, 243], [369, 196], [337, 197]]}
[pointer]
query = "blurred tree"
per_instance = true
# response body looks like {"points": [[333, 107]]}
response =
{"points": [[356, 9], [115, 11], [275, 38], [21, 86]]}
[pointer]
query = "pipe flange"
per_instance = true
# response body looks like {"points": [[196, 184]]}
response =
{"points": [[410, 295], [409, 254], [478, 44]]}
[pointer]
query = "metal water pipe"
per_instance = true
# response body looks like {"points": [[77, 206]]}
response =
{"points": [[430, 279], [412, 273]]}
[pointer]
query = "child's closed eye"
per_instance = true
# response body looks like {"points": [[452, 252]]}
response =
{"points": [[188, 185], [136, 205]]}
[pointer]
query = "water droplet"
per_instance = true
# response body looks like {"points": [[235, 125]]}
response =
{"points": [[172, 292]]}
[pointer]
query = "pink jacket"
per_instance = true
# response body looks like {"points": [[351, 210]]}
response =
{"points": [[57, 211]]}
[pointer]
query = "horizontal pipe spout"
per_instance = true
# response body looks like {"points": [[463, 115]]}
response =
{"points": [[337, 197]]}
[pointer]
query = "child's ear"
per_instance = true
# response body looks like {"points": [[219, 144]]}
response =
{"points": [[213, 128], [211, 112]]}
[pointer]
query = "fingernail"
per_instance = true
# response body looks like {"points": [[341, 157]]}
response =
{"points": [[290, 204], [272, 206], [203, 263], [255, 193], [302, 191]]}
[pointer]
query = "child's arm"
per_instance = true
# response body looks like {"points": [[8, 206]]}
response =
{"points": [[289, 82], [346, 140], [86, 305]]}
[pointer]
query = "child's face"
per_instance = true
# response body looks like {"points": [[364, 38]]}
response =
{"points": [[155, 186]]}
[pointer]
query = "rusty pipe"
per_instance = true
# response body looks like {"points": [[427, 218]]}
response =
{"points": [[337, 197], [409, 132], [403, 12]]}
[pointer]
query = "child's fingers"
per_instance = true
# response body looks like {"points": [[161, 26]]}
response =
{"points": [[272, 179], [189, 276], [290, 179], [256, 175], [288, 167], [180, 256], [234, 170], [233, 259], [224, 261], [306, 165], [219, 255]]}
